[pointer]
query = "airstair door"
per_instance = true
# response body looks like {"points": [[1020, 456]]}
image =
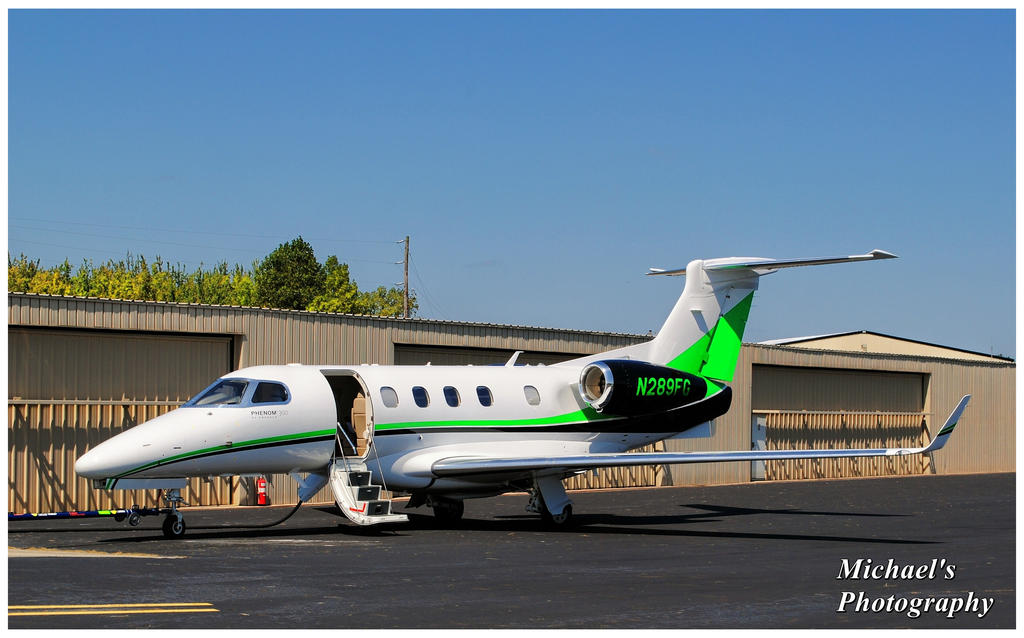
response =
{"points": [[354, 414]]}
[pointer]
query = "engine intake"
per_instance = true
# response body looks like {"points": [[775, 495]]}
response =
{"points": [[622, 387]]}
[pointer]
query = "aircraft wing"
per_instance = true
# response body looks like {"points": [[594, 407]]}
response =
{"points": [[470, 465]]}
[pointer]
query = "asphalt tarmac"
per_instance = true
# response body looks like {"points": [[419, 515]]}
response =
{"points": [[764, 555]]}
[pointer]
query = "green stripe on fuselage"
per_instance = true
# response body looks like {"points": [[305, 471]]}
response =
{"points": [[580, 416], [235, 447]]}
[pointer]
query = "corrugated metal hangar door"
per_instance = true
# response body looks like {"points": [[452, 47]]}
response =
{"points": [[813, 408], [69, 390], [406, 354]]}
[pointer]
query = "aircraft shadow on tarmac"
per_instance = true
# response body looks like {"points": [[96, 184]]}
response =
{"points": [[590, 523], [624, 524]]}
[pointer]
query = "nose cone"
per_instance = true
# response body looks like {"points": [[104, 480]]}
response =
{"points": [[95, 464], [133, 451]]}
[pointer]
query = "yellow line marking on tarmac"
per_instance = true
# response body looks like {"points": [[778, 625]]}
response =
{"points": [[110, 609], [50, 552], [109, 605]]}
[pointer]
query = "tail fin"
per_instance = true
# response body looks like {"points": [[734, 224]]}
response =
{"points": [[704, 331]]}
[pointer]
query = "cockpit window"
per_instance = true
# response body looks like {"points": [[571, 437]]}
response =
{"points": [[226, 392], [268, 392]]}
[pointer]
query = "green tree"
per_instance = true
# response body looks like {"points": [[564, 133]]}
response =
{"points": [[81, 283], [386, 302], [55, 281], [289, 277], [20, 273], [340, 293], [243, 288], [161, 282]]}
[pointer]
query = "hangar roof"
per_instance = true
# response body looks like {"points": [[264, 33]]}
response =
{"points": [[868, 341], [422, 320]]}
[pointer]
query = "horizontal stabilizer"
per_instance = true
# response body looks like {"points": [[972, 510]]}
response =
{"points": [[466, 466], [763, 266]]}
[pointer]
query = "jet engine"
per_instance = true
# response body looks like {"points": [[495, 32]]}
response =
{"points": [[621, 387]]}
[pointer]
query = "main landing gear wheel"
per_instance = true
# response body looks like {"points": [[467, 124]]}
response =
{"points": [[537, 504], [174, 526], [560, 521], [447, 510]]}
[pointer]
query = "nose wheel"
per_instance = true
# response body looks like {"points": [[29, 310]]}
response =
{"points": [[174, 523], [174, 526]]}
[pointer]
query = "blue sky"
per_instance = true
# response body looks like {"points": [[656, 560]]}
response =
{"points": [[541, 161]]}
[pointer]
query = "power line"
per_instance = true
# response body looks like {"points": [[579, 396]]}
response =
{"points": [[52, 245], [157, 241], [437, 306], [191, 231], [137, 239]]}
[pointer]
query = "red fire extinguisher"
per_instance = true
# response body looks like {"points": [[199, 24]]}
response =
{"points": [[261, 490]]}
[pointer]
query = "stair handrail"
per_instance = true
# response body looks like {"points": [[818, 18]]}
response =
{"points": [[344, 458], [384, 481]]}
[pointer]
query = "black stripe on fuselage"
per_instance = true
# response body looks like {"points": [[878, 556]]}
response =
{"points": [[678, 419], [232, 450]]}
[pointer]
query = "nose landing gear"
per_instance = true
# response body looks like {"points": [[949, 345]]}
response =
{"points": [[174, 523]]}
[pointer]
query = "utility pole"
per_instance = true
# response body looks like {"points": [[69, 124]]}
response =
{"points": [[405, 300]]}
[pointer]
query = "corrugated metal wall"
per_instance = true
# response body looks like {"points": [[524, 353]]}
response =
{"points": [[39, 423], [81, 370], [628, 476], [792, 388], [44, 439], [984, 441], [285, 336], [91, 365], [838, 430], [71, 389], [458, 356]]}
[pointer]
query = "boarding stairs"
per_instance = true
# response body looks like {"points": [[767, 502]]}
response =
{"points": [[357, 498]]}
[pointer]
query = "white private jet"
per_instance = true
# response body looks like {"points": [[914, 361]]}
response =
{"points": [[447, 433]]}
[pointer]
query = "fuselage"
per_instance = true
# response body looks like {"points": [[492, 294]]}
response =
{"points": [[283, 419]]}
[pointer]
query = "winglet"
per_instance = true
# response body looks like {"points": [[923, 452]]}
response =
{"points": [[947, 429]]}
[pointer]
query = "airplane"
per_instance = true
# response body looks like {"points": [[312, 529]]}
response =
{"points": [[443, 434]]}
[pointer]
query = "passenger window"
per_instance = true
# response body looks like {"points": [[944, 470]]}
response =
{"points": [[227, 392], [484, 394], [451, 396], [270, 393], [389, 397], [532, 396], [420, 396]]}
